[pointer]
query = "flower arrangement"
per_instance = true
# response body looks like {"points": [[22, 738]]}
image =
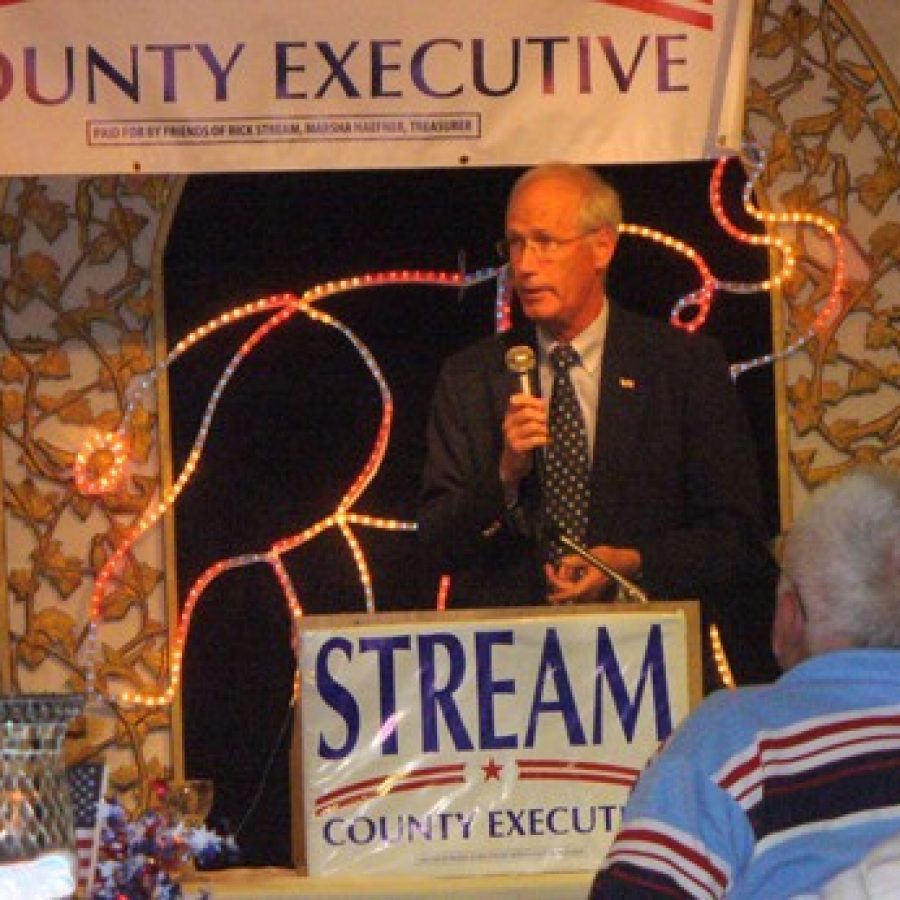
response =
{"points": [[145, 858]]}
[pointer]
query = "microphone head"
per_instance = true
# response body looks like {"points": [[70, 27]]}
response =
{"points": [[520, 359]]}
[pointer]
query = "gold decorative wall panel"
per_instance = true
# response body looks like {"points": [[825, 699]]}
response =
{"points": [[82, 318], [79, 324], [824, 104]]}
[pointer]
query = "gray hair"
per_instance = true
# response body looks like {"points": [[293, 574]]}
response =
{"points": [[843, 557], [601, 206]]}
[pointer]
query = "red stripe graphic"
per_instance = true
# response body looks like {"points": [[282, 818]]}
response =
{"points": [[371, 788], [668, 10], [576, 764], [575, 776], [572, 770], [10, 2]]}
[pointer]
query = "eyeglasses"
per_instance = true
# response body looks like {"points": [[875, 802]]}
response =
{"points": [[543, 246]]}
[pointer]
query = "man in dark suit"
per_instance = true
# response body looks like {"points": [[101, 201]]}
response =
{"points": [[674, 502]]}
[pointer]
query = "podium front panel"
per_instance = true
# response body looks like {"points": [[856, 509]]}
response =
{"points": [[482, 742]]}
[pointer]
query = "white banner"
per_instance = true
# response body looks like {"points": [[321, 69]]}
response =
{"points": [[500, 745], [103, 86]]}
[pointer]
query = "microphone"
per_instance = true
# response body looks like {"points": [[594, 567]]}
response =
{"points": [[520, 361]]}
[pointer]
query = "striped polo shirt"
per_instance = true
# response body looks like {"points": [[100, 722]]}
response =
{"points": [[768, 791]]}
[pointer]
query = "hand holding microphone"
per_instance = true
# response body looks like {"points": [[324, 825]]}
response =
{"points": [[525, 426]]}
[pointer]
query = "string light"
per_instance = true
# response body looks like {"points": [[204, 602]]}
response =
{"points": [[503, 307], [720, 658], [782, 246], [700, 300], [833, 305], [100, 464], [691, 311]]}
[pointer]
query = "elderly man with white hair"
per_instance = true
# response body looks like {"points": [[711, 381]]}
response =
{"points": [[771, 791]]}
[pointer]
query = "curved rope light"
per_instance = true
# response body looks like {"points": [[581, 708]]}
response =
{"points": [[101, 461]]}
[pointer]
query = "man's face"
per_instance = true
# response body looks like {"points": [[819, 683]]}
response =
{"points": [[562, 290]]}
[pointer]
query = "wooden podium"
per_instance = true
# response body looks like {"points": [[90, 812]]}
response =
{"points": [[288, 884], [391, 646]]}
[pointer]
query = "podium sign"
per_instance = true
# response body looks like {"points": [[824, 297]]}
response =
{"points": [[486, 742]]}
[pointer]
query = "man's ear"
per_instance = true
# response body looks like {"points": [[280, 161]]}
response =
{"points": [[603, 244], [789, 630]]}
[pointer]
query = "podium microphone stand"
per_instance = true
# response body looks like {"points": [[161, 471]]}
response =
{"points": [[628, 590]]}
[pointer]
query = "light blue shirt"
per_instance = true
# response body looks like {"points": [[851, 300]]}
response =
{"points": [[770, 791]]}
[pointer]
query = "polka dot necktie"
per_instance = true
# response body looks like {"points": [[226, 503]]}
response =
{"points": [[566, 477]]}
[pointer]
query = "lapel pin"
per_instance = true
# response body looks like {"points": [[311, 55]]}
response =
{"points": [[627, 383]]}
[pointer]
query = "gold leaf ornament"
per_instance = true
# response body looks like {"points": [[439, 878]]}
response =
{"points": [[845, 432], [54, 364], [53, 458], [27, 502], [51, 218], [865, 380], [884, 242], [40, 271], [50, 629], [13, 406], [63, 572], [132, 589], [12, 369], [882, 333], [875, 189], [10, 229], [23, 584]]}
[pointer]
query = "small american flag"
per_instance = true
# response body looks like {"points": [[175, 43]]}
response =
{"points": [[87, 782]]}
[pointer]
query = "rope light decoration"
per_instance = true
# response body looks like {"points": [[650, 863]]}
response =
{"points": [[101, 462], [100, 465], [833, 304], [690, 312], [720, 658]]}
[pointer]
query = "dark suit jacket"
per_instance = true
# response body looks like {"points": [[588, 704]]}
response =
{"points": [[674, 474]]}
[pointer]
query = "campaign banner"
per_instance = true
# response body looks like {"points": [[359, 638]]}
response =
{"points": [[164, 86], [503, 744]]}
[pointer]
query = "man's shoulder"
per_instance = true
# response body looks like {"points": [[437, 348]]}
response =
{"points": [[658, 351], [660, 334], [727, 703], [739, 717], [486, 353], [734, 716]]}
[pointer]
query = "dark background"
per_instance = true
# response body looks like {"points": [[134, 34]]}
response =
{"points": [[299, 417]]}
